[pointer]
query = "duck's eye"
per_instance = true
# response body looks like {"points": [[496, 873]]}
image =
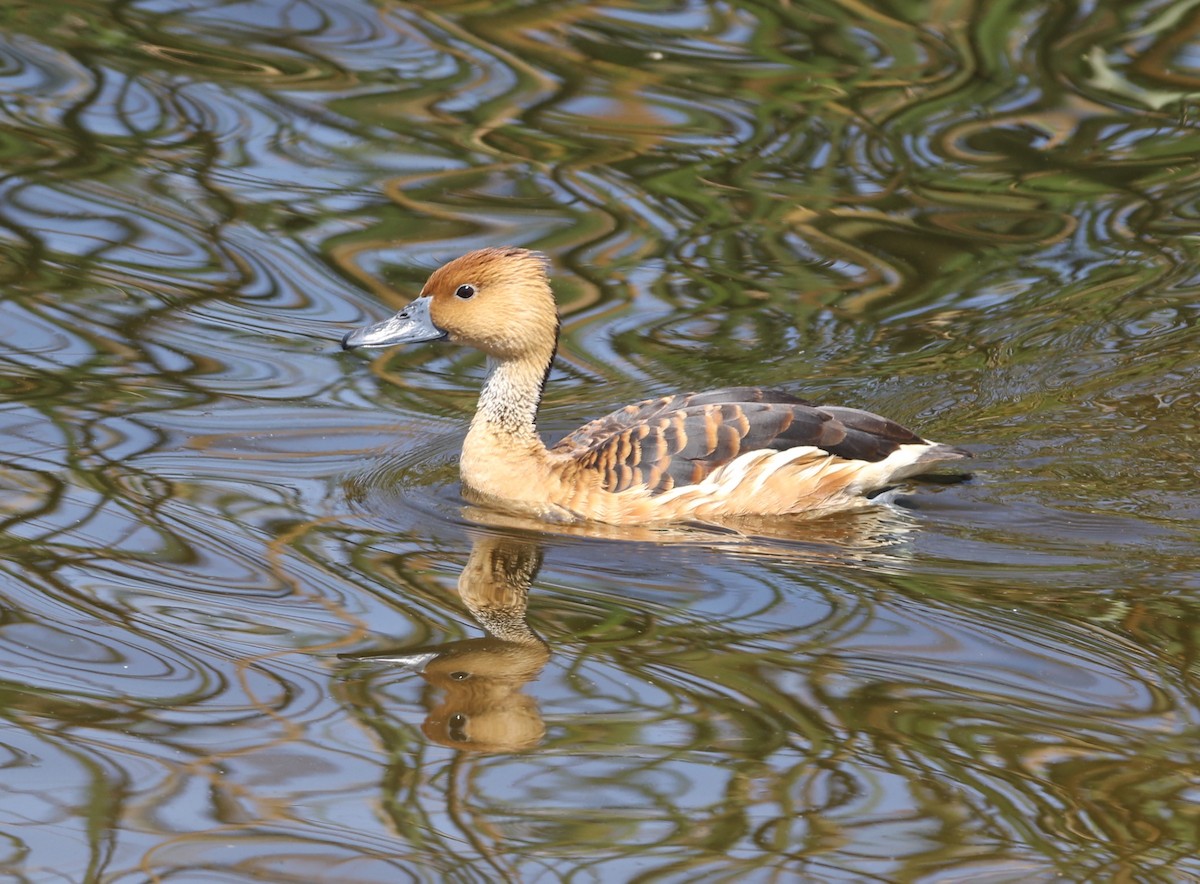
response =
{"points": [[465, 292]]}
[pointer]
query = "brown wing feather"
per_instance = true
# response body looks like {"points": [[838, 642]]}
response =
{"points": [[645, 411], [678, 440]]}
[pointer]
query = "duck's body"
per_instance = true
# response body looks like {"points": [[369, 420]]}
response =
{"points": [[742, 451]]}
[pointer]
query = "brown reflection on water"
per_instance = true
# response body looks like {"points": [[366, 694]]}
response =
{"points": [[484, 707]]}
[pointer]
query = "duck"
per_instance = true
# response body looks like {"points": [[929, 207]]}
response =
{"points": [[711, 456]]}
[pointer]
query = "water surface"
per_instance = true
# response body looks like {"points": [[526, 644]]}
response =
{"points": [[980, 219]]}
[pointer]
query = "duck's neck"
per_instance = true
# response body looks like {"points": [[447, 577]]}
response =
{"points": [[505, 424]]}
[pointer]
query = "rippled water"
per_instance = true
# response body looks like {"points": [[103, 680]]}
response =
{"points": [[982, 219]]}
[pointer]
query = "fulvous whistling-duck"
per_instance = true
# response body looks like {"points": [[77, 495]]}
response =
{"points": [[721, 454]]}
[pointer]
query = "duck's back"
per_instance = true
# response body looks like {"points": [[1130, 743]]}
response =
{"points": [[667, 444]]}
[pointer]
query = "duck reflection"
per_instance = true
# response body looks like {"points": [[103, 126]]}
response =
{"points": [[484, 708]]}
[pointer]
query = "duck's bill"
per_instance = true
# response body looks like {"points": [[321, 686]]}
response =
{"points": [[412, 325]]}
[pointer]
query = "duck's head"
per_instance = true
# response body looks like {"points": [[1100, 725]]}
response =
{"points": [[495, 300]]}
